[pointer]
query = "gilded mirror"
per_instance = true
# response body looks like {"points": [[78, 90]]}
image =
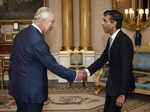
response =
{"points": [[136, 13]]}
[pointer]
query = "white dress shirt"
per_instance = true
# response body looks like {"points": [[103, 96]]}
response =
{"points": [[113, 36], [37, 27]]}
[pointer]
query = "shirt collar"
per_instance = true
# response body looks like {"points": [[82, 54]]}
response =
{"points": [[115, 34], [34, 25]]}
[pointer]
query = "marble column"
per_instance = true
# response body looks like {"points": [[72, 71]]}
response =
{"points": [[67, 25], [85, 25]]}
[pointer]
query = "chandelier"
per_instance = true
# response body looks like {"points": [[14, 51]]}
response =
{"points": [[137, 19], [136, 15]]}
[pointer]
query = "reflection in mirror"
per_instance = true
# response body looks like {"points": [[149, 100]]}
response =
{"points": [[136, 14]]}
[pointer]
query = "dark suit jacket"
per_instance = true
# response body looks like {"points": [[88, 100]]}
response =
{"points": [[29, 61], [120, 65]]}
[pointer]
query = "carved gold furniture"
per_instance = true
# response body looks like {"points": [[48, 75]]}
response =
{"points": [[141, 71], [4, 66]]}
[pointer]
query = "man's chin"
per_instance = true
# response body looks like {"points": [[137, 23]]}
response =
{"points": [[105, 31]]}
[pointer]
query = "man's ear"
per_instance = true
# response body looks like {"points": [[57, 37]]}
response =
{"points": [[115, 23]]}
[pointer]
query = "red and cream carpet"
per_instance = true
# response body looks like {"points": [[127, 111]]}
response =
{"points": [[78, 100]]}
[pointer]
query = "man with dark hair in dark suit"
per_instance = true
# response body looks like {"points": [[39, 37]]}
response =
{"points": [[30, 58], [119, 54]]}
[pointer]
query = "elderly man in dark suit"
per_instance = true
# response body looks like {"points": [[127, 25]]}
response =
{"points": [[30, 58], [119, 54]]}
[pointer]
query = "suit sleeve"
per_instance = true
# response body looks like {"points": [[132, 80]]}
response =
{"points": [[12, 62], [126, 54], [11, 67], [12, 70], [42, 53], [100, 61]]}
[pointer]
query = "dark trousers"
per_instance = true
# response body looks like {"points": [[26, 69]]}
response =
{"points": [[29, 107], [110, 105]]}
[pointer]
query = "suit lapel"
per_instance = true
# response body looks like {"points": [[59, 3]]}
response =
{"points": [[114, 45], [115, 40]]}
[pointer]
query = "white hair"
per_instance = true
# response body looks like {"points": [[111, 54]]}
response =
{"points": [[43, 13]]}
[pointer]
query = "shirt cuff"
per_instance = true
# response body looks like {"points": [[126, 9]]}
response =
{"points": [[122, 95], [76, 75], [88, 73]]}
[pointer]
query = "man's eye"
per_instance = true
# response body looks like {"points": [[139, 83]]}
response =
{"points": [[105, 21]]}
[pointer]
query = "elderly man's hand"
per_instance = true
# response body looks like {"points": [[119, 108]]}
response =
{"points": [[80, 75]]}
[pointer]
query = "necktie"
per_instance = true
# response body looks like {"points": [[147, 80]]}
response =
{"points": [[110, 43]]}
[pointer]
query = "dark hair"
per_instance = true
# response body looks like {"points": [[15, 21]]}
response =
{"points": [[115, 15]]}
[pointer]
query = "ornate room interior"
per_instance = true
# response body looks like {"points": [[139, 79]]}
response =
{"points": [[76, 41]]}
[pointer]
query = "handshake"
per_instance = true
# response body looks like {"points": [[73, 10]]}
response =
{"points": [[80, 75]]}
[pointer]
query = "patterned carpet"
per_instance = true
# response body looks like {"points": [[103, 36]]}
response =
{"points": [[137, 103], [78, 100], [61, 100]]}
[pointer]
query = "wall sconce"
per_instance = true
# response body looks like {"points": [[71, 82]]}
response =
{"points": [[16, 26], [136, 15]]}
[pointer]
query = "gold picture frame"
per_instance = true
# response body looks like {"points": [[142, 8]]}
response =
{"points": [[20, 11], [9, 36]]}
